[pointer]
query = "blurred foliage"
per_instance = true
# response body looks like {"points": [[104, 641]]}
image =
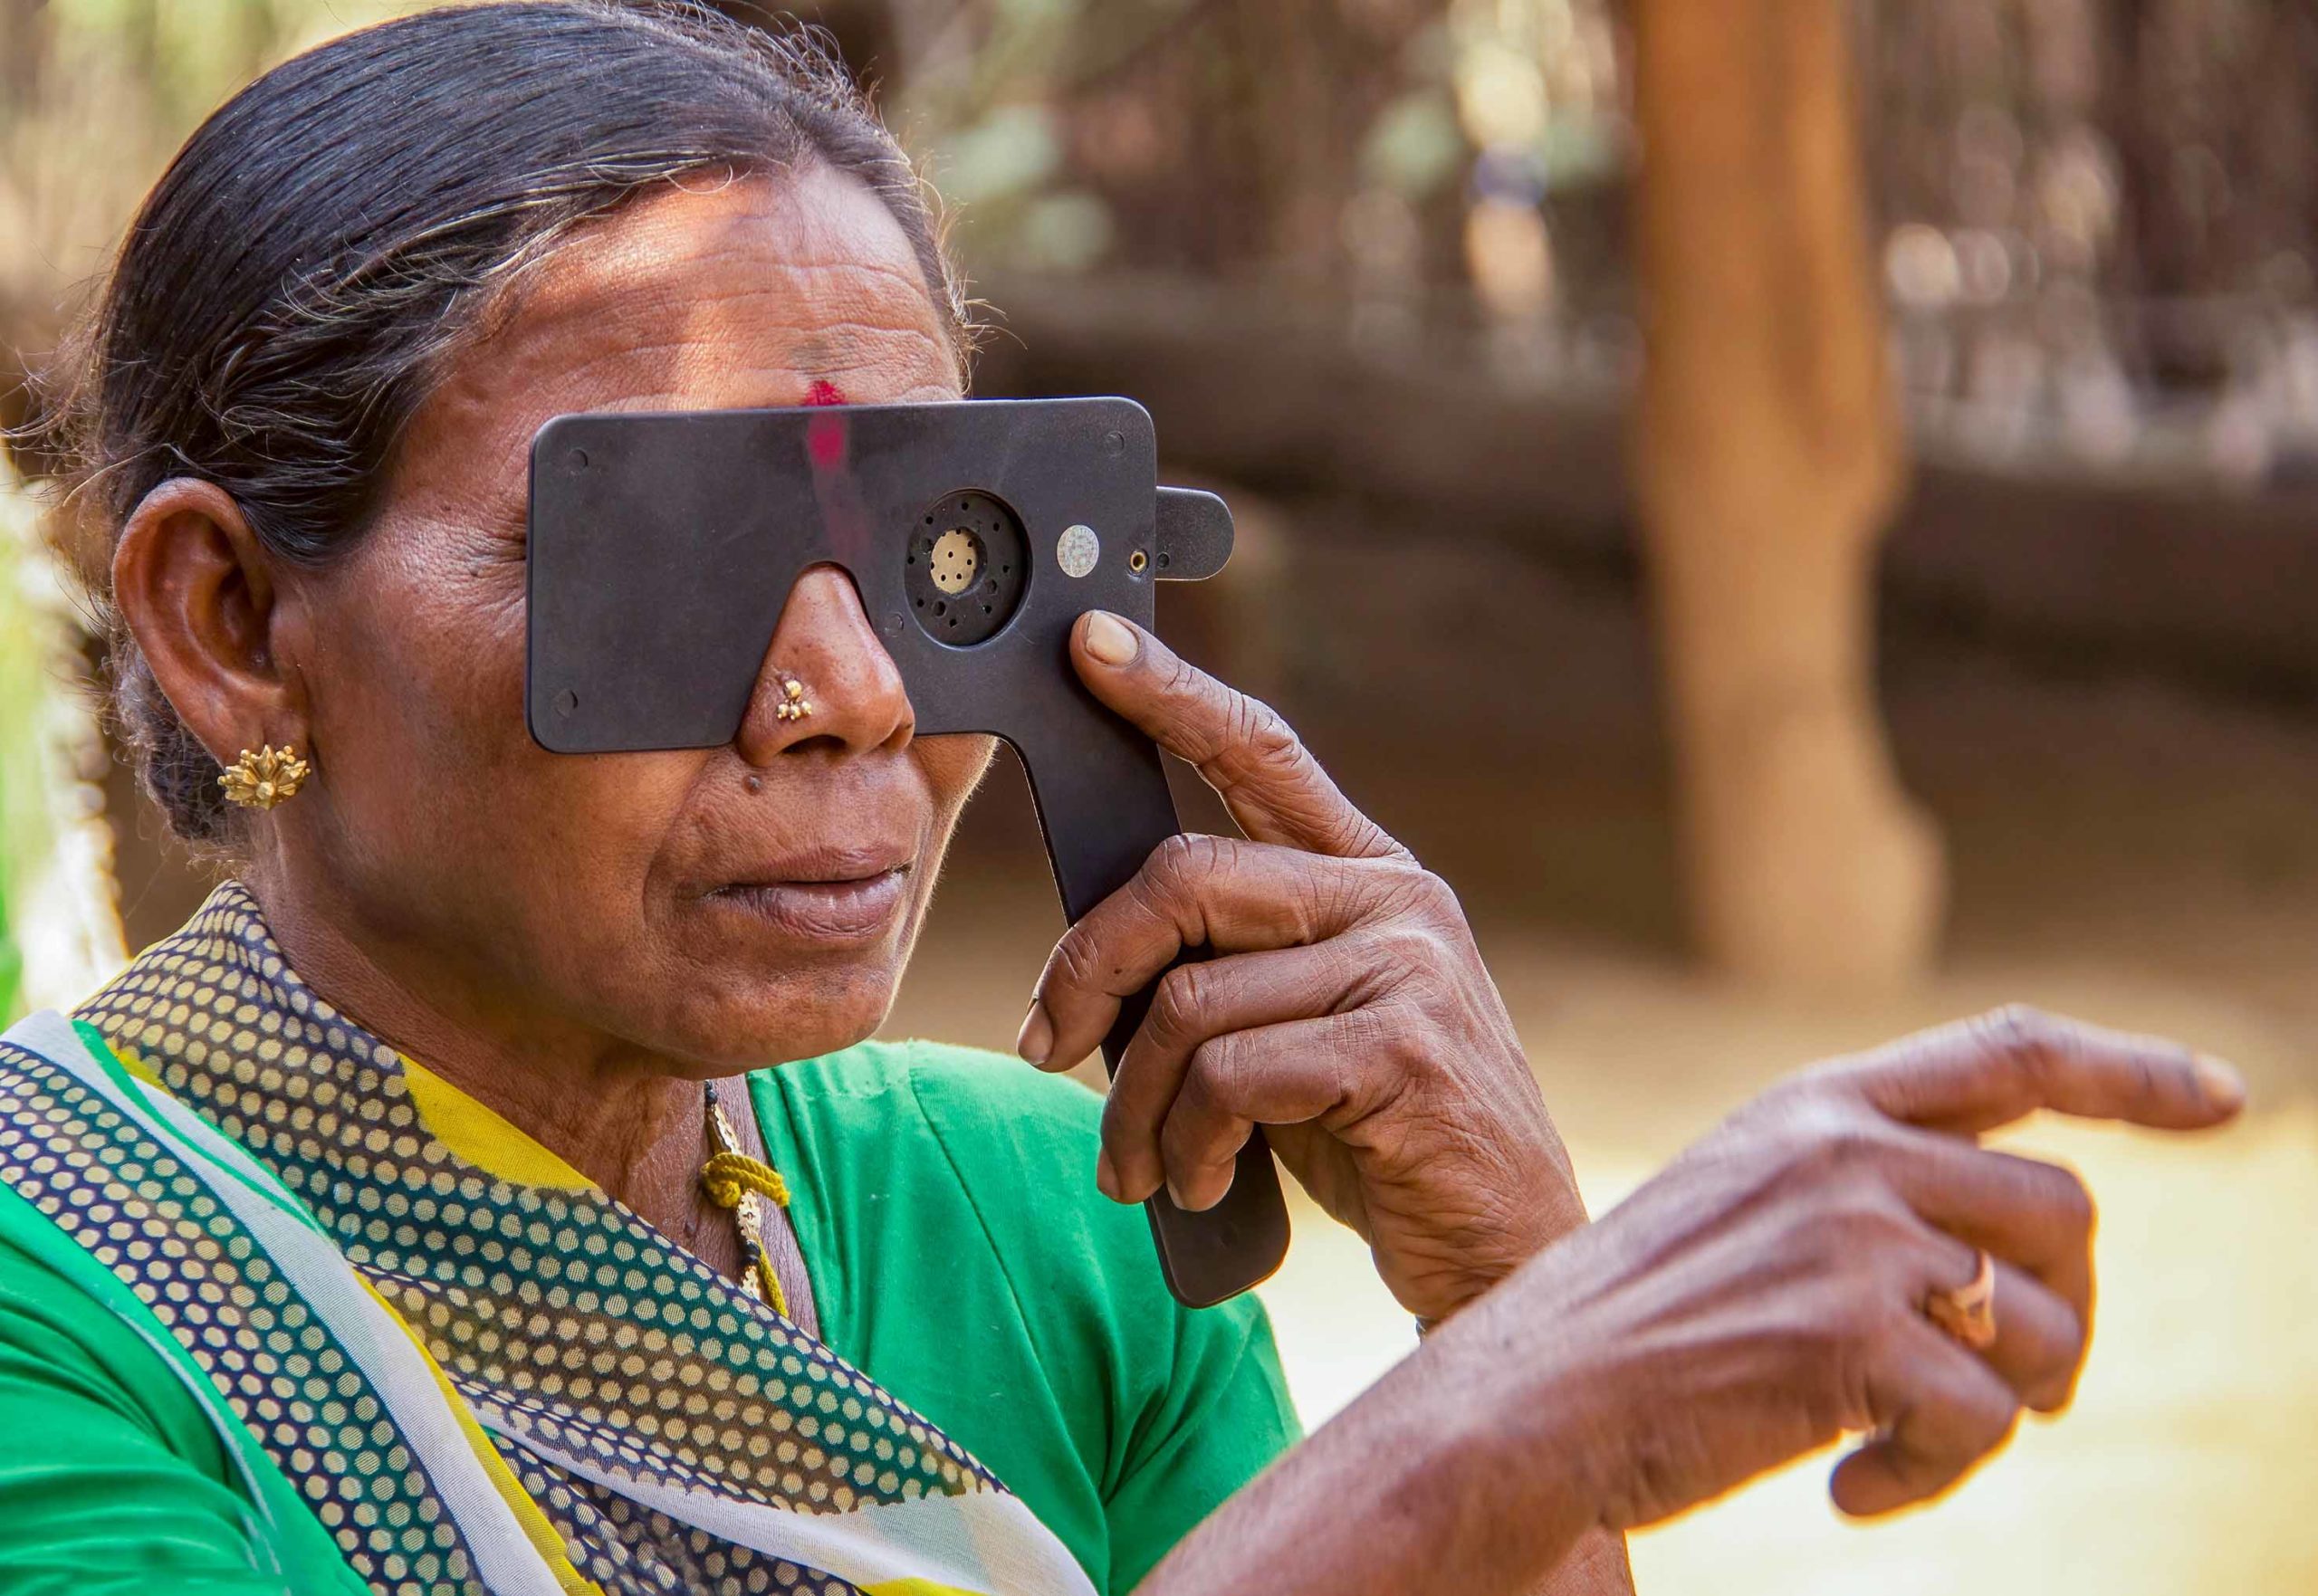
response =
{"points": [[2101, 220], [58, 932], [2097, 214], [94, 97]]}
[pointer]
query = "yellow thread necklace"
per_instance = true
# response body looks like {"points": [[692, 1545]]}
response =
{"points": [[734, 1180]]}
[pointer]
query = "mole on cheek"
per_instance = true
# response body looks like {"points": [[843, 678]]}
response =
{"points": [[824, 393]]}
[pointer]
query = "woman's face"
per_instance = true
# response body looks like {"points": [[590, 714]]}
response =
{"points": [[726, 907]]}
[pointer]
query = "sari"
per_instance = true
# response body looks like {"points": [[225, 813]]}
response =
{"points": [[440, 1357]]}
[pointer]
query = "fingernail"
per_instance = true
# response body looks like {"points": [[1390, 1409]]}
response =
{"points": [[1109, 638], [1107, 1179], [1177, 1197], [1036, 1040], [2218, 1083]]}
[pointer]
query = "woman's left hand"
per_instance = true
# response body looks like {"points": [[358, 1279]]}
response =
{"points": [[1347, 1008]]}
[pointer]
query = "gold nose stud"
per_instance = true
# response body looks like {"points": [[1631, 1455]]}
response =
{"points": [[793, 705], [263, 777]]}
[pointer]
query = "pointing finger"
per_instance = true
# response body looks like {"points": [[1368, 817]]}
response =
{"points": [[1980, 1074]]}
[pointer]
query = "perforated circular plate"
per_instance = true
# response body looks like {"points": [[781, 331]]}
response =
{"points": [[956, 560], [966, 569]]}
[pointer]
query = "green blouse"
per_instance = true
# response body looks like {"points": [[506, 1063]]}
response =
{"points": [[959, 1254]]}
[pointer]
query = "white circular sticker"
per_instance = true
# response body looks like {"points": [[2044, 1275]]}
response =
{"points": [[1077, 550]]}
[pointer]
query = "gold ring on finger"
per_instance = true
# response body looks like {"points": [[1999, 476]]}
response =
{"points": [[1967, 1311]]}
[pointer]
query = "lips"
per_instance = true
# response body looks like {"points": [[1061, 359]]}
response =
{"points": [[827, 896]]}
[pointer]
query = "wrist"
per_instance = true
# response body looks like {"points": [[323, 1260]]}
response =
{"points": [[1559, 1406], [1476, 1499], [1502, 1441], [1497, 1431], [1488, 1260]]}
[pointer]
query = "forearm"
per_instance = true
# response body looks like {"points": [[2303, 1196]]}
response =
{"points": [[1460, 1471]]}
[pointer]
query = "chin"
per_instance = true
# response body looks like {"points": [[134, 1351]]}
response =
{"points": [[750, 1022]]}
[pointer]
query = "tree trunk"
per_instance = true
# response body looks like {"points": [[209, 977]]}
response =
{"points": [[1768, 459]]}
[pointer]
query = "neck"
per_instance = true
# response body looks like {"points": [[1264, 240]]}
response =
{"points": [[627, 1118]]}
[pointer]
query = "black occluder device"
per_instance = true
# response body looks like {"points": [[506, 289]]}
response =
{"points": [[661, 550]]}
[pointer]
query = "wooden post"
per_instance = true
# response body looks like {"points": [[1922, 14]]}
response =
{"points": [[1768, 459]]}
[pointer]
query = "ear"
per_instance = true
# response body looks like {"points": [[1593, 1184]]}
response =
{"points": [[196, 591]]}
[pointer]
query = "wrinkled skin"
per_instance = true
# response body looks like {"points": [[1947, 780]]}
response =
{"points": [[1760, 1298], [574, 939], [550, 931], [579, 942], [1348, 1008]]}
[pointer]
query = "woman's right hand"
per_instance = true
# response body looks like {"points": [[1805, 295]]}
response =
{"points": [[1765, 1294], [1761, 1297]]}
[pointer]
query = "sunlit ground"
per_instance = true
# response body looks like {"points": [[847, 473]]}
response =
{"points": [[2186, 1464]]}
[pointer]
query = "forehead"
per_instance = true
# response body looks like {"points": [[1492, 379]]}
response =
{"points": [[721, 295]]}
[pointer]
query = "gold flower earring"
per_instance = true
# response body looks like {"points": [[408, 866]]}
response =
{"points": [[793, 705], [263, 778]]}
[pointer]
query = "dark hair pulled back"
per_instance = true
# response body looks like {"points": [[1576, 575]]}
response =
{"points": [[292, 285]]}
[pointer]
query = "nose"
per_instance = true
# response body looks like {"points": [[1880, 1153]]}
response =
{"points": [[825, 646]]}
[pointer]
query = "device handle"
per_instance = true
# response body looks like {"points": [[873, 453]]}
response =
{"points": [[1213, 1254], [1103, 805]]}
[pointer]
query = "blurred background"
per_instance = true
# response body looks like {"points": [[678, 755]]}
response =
{"points": [[1806, 512]]}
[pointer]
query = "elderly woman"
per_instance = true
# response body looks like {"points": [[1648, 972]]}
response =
{"points": [[492, 1189]]}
